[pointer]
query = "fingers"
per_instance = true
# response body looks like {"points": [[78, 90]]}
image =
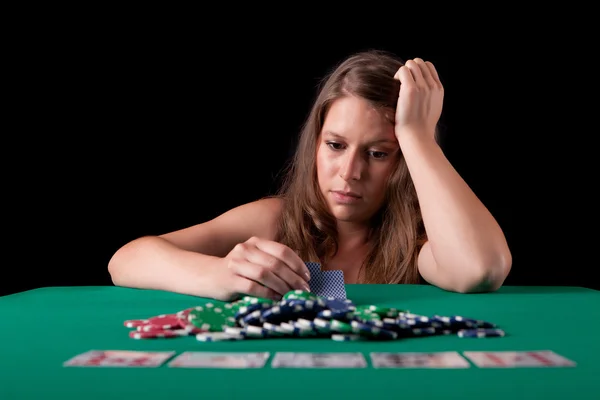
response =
{"points": [[416, 73], [249, 287], [405, 76], [264, 276], [422, 73], [283, 253], [425, 73], [269, 262], [434, 74]]}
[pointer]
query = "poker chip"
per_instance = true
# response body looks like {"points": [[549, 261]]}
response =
{"points": [[211, 317], [480, 333], [338, 337], [274, 330], [301, 314], [158, 334], [217, 336], [184, 323], [299, 294], [134, 323]]}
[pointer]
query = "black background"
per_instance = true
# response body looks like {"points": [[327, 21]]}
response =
{"points": [[141, 131]]}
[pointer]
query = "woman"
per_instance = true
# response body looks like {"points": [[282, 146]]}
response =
{"points": [[369, 192]]}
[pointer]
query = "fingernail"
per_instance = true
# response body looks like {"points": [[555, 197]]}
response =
{"points": [[306, 288], [307, 275]]}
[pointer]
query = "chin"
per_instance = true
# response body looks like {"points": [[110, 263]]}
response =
{"points": [[344, 215]]}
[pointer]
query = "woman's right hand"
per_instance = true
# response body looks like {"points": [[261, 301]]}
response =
{"points": [[260, 268]]}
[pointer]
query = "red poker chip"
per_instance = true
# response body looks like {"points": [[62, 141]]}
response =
{"points": [[163, 326], [134, 323], [166, 333], [154, 328], [184, 323], [182, 317], [164, 321]]}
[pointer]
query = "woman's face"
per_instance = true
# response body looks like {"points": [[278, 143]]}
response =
{"points": [[355, 156]]}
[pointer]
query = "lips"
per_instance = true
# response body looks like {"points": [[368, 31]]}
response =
{"points": [[349, 194]]}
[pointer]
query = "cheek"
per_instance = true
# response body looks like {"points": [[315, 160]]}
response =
{"points": [[382, 180], [324, 164]]}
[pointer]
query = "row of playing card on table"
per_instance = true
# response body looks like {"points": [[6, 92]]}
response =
{"points": [[240, 360]]}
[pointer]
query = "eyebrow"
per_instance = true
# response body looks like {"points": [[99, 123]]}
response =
{"points": [[384, 140]]}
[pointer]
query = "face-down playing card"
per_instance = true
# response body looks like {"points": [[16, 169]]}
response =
{"points": [[314, 268], [326, 283]]}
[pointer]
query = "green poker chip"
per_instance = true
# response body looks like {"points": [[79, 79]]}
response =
{"points": [[212, 317]]}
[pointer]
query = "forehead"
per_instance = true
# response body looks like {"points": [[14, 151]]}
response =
{"points": [[354, 118]]}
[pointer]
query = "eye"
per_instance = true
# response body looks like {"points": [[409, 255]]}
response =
{"points": [[334, 145], [378, 154]]}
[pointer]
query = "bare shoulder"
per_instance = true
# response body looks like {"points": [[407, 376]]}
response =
{"points": [[219, 235], [258, 218]]}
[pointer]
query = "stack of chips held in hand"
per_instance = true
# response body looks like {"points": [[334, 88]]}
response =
{"points": [[301, 314]]}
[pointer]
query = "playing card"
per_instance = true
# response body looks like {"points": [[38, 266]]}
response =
{"points": [[119, 358], [515, 359], [203, 359], [314, 268], [334, 284], [318, 360], [443, 359], [315, 276], [326, 283]]}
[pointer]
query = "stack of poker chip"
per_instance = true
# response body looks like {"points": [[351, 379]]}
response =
{"points": [[301, 314]]}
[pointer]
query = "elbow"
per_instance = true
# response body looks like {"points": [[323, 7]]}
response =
{"points": [[121, 259], [130, 258], [115, 269], [488, 275]]}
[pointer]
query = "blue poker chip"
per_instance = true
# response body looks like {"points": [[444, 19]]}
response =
{"points": [[286, 312], [251, 331], [480, 333], [290, 328], [277, 314], [335, 304], [219, 336], [335, 314], [341, 337], [301, 328], [274, 330], [245, 310], [371, 331], [415, 322], [390, 324], [477, 323], [254, 318], [441, 321], [428, 331], [308, 304]]}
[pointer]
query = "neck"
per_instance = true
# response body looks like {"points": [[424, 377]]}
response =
{"points": [[352, 249], [351, 236]]}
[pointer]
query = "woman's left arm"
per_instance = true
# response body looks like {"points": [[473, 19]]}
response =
{"points": [[466, 249]]}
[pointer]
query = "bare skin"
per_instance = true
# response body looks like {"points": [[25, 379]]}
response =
{"points": [[236, 252]]}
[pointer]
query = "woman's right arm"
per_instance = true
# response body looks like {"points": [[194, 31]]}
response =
{"points": [[152, 262], [192, 260]]}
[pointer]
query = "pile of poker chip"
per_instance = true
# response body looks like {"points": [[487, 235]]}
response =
{"points": [[301, 314]]}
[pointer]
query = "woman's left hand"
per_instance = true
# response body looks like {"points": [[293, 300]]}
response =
{"points": [[420, 99]]}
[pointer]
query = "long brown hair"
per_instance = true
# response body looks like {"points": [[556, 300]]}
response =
{"points": [[307, 226]]}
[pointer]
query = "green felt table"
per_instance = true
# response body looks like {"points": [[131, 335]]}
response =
{"points": [[42, 328]]}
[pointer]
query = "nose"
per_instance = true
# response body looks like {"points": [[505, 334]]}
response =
{"points": [[352, 167]]}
